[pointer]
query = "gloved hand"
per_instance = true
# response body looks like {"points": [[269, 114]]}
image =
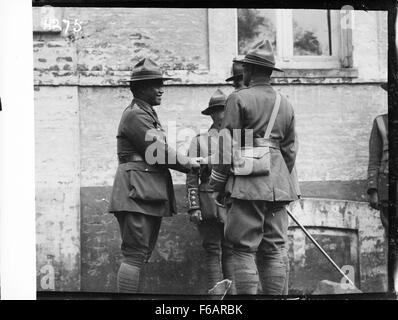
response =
{"points": [[219, 198], [196, 216], [195, 162]]}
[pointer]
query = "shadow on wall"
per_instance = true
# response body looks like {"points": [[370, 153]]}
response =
{"points": [[177, 263]]}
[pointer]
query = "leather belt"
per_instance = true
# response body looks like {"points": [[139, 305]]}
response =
{"points": [[261, 142], [134, 157]]}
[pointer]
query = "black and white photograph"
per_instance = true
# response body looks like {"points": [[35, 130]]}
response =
{"points": [[212, 152]]}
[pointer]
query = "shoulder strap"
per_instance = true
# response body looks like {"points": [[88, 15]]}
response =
{"points": [[275, 111]]}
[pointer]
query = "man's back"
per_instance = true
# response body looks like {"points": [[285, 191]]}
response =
{"points": [[255, 105], [251, 108]]}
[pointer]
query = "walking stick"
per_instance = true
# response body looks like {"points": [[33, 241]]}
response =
{"points": [[319, 247]]}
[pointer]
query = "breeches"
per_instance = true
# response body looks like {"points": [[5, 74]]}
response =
{"points": [[139, 233], [218, 252], [212, 234], [258, 233]]}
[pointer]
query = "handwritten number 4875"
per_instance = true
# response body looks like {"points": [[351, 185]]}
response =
{"points": [[53, 24]]}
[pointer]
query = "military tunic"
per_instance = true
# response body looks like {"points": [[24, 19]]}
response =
{"points": [[250, 108], [378, 158], [140, 186], [257, 220], [378, 165], [198, 190]]}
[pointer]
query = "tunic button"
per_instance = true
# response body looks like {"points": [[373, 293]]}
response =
{"points": [[146, 169]]}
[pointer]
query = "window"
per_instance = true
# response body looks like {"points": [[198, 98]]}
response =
{"points": [[301, 38], [311, 33]]}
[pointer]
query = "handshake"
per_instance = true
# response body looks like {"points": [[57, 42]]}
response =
{"points": [[197, 162]]}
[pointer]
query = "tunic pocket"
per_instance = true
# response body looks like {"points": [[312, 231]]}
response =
{"points": [[147, 185]]}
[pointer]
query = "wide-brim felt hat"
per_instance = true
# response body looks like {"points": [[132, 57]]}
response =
{"points": [[217, 100], [262, 55], [233, 78], [236, 71], [146, 69]]}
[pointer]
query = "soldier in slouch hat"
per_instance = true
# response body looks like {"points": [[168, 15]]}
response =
{"points": [[236, 74], [202, 207], [257, 220], [143, 190]]}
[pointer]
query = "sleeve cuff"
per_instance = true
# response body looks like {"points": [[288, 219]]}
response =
{"points": [[193, 199], [218, 177], [217, 181]]}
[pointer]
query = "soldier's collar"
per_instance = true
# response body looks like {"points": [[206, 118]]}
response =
{"points": [[142, 103], [212, 128], [145, 105], [260, 81]]}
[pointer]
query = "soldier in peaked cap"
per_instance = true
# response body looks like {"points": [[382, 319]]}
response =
{"points": [[202, 207], [257, 220], [143, 190]]}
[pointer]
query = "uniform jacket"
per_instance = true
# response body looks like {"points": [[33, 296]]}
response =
{"points": [[378, 157], [143, 186], [250, 108], [197, 183]]}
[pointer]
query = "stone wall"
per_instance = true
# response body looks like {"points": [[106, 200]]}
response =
{"points": [[57, 161], [333, 125], [79, 97]]}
